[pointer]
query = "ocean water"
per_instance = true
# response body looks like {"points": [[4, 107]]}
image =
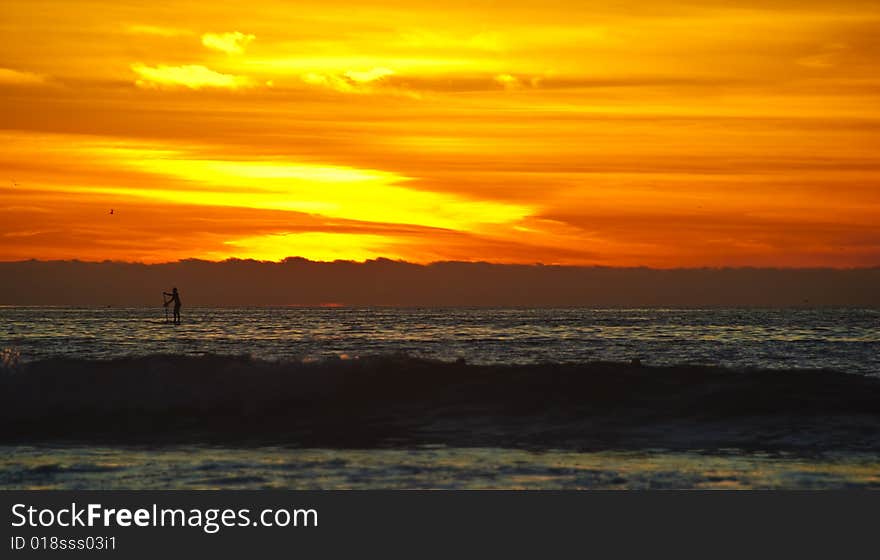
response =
{"points": [[845, 340], [432, 467], [829, 338]]}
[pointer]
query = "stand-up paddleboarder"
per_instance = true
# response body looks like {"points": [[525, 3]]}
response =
{"points": [[174, 297]]}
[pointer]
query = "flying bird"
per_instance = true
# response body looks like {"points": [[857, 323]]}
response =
{"points": [[14, 183], [111, 211]]}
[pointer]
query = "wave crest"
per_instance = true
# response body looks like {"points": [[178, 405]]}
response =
{"points": [[400, 400]]}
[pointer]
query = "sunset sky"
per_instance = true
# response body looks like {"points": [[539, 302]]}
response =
{"points": [[664, 134]]}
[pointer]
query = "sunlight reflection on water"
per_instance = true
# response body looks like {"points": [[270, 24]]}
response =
{"points": [[843, 339], [72, 467]]}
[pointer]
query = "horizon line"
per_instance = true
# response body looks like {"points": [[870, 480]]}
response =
{"points": [[377, 260]]}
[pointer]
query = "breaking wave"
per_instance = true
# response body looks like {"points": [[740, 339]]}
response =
{"points": [[394, 400]]}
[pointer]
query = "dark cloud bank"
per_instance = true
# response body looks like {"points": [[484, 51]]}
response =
{"points": [[383, 282]]}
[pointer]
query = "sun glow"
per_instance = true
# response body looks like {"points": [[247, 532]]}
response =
{"points": [[335, 191], [318, 246]]}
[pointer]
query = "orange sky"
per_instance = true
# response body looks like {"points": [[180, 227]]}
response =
{"points": [[694, 133]]}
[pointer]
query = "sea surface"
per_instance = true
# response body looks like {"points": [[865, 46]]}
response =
{"points": [[841, 339], [429, 467], [844, 340]]}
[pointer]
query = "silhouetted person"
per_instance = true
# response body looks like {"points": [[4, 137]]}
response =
{"points": [[175, 297]]}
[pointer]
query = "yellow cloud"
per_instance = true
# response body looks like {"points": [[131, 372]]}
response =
{"points": [[329, 81], [338, 63], [8, 76], [508, 81], [350, 81], [191, 76], [230, 43]]}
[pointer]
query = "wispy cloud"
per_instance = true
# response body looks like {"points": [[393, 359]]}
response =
{"points": [[508, 81], [230, 43], [192, 76], [330, 81], [370, 75], [138, 29], [828, 57], [8, 76], [350, 81]]}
